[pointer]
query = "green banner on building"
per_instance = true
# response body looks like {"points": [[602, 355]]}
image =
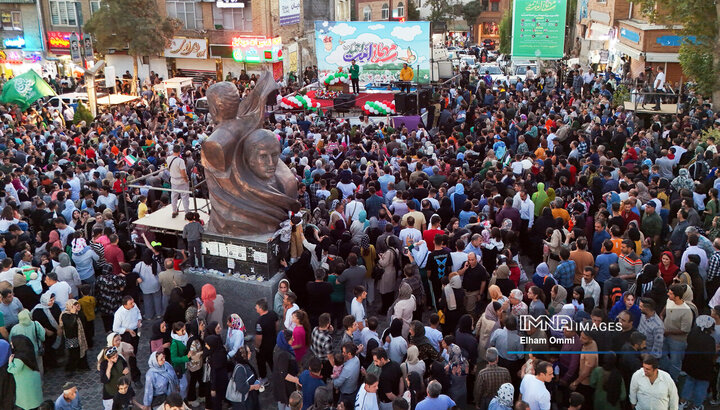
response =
{"points": [[538, 29]]}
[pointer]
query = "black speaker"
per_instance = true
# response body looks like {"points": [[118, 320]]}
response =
{"points": [[410, 104], [272, 98], [400, 102], [424, 98], [344, 102]]}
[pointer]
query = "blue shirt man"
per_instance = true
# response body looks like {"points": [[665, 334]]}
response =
{"points": [[435, 400]]}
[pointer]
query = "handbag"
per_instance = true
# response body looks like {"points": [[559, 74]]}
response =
{"points": [[206, 372], [232, 394]]}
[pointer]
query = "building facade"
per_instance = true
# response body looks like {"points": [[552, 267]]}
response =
{"points": [[380, 10], [488, 23], [21, 38], [617, 33]]}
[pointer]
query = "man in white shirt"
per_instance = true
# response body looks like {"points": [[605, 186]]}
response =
{"points": [[127, 321], [659, 86], [652, 388], [357, 310], [533, 390], [410, 232], [526, 206], [353, 209], [366, 398], [290, 308], [61, 290]]}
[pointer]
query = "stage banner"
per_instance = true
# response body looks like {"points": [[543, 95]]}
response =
{"points": [[538, 29], [379, 47]]}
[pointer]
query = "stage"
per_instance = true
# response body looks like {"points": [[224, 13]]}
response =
{"points": [[360, 100], [665, 109], [162, 220]]}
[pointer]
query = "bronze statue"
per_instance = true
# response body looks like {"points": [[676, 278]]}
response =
{"points": [[251, 189]]}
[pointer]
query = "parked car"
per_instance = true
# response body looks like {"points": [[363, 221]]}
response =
{"points": [[489, 44], [56, 103]]}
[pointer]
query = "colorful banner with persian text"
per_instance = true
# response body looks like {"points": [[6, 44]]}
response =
{"points": [[538, 29], [379, 47]]}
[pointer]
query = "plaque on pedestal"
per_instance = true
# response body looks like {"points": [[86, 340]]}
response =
{"points": [[250, 255]]}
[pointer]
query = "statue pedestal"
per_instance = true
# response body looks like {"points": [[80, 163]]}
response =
{"points": [[240, 295], [249, 255]]}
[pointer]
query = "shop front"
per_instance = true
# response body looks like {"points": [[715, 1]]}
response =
{"points": [[59, 51], [189, 57], [249, 53]]}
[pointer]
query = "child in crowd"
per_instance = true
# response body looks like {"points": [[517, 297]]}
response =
{"points": [[124, 399], [337, 365]]}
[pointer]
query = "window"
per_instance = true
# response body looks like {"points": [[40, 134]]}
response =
{"points": [[401, 10], [94, 6], [367, 13], [238, 19], [16, 20], [187, 11], [495, 6], [62, 13], [385, 12]]}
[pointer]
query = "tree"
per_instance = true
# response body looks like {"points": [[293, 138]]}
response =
{"points": [[505, 31], [440, 11], [82, 114], [135, 24], [470, 12], [700, 56], [413, 12]]}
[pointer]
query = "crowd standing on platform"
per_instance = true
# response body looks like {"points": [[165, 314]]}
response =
{"points": [[410, 272]]}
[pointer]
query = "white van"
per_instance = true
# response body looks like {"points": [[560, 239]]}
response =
{"points": [[57, 102]]}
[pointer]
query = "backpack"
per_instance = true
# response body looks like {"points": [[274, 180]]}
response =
{"points": [[615, 294]]}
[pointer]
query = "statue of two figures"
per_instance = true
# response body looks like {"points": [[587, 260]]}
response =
{"points": [[251, 189]]}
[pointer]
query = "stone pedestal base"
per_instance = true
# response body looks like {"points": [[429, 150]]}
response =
{"points": [[240, 295]]}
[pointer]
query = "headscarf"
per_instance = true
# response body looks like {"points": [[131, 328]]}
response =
{"points": [[362, 218], [542, 270], [182, 339], [364, 241], [502, 272], [405, 291], [456, 357], [210, 328], [395, 329], [208, 295], [465, 324], [283, 343], [80, 330], [157, 333], [683, 180], [412, 355], [669, 273], [78, 244], [163, 371], [419, 338], [455, 283], [550, 197], [643, 192], [64, 260], [308, 178], [236, 323], [539, 198], [43, 305], [505, 394], [559, 300]]}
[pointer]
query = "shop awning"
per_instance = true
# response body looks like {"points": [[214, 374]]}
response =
{"points": [[625, 49], [598, 32], [662, 58], [116, 99]]}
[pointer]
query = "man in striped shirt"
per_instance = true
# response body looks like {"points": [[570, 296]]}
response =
{"points": [[629, 263]]}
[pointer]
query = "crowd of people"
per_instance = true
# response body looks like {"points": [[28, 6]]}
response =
{"points": [[426, 248]]}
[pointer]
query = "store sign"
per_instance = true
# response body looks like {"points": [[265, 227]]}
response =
{"points": [[221, 4], [538, 29], [257, 49], [289, 12], [17, 42], [187, 48], [19, 57], [633, 36], [59, 39]]}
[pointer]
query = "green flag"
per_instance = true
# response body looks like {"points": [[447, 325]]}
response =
{"points": [[25, 89]]}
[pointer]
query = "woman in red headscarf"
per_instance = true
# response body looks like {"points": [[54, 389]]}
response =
{"points": [[213, 304], [668, 268]]}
